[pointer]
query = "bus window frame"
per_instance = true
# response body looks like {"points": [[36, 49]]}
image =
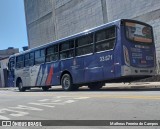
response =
{"points": [[29, 59], [12, 59], [137, 42], [115, 38], [51, 53], [70, 49], [91, 44], [44, 48], [20, 62]]}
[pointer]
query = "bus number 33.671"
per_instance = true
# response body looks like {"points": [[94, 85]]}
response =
{"points": [[106, 58]]}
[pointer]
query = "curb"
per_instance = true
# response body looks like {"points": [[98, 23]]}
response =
{"points": [[11, 88], [138, 85]]}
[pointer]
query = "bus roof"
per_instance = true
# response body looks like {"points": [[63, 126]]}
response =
{"points": [[116, 22]]}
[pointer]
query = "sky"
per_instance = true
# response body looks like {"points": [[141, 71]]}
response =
{"points": [[12, 24]]}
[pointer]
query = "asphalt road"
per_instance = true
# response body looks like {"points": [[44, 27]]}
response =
{"points": [[105, 104]]}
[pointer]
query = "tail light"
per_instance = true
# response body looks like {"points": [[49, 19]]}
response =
{"points": [[126, 56]]}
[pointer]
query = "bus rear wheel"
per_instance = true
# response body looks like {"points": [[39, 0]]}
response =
{"points": [[20, 86], [95, 86], [66, 82]]}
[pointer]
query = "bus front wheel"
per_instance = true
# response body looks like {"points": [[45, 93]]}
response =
{"points": [[20, 86], [66, 82]]}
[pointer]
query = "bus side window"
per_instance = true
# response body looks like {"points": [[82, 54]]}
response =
{"points": [[19, 61], [26, 60], [84, 45], [40, 56], [29, 59], [52, 53], [11, 64], [105, 39], [67, 49]]}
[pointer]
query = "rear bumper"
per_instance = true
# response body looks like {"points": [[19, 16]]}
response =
{"points": [[133, 71]]}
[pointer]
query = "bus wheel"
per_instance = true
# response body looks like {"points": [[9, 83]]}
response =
{"points": [[20, 87], [66, 82], [45, 88], [95, 86]]}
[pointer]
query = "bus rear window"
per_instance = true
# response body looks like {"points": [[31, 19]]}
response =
{"points": [[138, 32]]}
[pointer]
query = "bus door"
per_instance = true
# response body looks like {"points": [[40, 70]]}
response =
{"points": [[93, 68], [11, 74], [78, 69]]}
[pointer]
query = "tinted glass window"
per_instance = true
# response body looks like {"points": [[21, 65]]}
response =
{"points": [[11, 64], [67, 54], [52, 53], [88, 39], [19, 61], [39, 56], [105, 39], [105, 34], [29, 59], [84, 45], [67, 45], [26, 57], [84, 50], [52, 49], [67, 49], [32, 55], [138, 32]]}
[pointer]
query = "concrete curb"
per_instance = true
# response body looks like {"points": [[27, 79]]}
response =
{"points": [[8, 88], [137, 85]]}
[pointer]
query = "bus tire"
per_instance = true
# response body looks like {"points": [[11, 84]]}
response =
{"points": [[95, 86], [66, 82], [20, 86], [45, 88]]}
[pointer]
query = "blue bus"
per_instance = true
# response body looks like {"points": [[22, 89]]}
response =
{"points": [[119, 51]]}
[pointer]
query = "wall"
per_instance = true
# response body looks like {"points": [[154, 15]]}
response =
{"points": [[3, 65], [49, 20]]}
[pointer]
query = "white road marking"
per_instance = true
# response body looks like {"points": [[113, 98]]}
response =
{"points": [[82, 98], [69, 101], [26, 108], [43, 100], [13, 112], [58, 100], [4, 118], [43, 104]]}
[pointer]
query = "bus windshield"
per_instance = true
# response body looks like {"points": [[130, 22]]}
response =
{"points": [[138, 32]]}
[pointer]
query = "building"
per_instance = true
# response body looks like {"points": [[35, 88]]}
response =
{"points": [[3, 72], [7, 52], [4, 55], [49, 20]]}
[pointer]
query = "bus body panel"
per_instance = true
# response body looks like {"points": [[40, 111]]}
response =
{"points": [[127, 59], [46, 74], [93, 68], [78, 70], [141, 58], [118, 57]]}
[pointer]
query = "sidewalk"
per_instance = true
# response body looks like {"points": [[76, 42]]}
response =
{"points": [[8, 88], [134, 85]]}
